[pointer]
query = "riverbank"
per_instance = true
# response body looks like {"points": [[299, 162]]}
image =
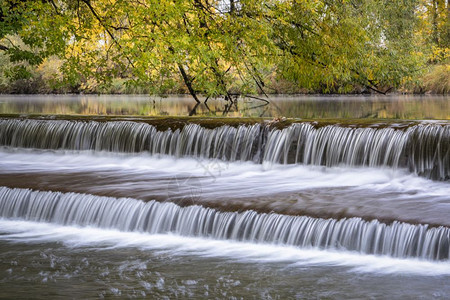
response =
{"points": [[46, 80]]}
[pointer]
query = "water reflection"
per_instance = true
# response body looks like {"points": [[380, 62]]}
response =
{"points": [[311, 107]]}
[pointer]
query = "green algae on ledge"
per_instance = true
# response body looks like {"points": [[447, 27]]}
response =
{"points": [[174, 122]]}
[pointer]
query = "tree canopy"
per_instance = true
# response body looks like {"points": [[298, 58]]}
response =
{"points": [[213, 47]]}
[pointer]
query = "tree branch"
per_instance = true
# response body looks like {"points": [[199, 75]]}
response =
{"points": [[55, 7], [88, 4], [188, 82]]}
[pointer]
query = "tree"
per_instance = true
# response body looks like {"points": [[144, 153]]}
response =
{"points": [[333, 45], [214, 45], [148, 41]]}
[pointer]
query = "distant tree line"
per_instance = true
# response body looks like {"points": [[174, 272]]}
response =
{"points": [[228, 47]]}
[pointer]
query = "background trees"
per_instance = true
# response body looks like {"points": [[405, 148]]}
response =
{"points": [[220, 48]]}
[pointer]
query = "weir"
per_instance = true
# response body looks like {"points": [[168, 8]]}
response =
{"points": [[400, 240], [423, 149]]}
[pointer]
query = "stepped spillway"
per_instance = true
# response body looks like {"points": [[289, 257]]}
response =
{"points": [[398, 240], [422, 149], [94, 206]]}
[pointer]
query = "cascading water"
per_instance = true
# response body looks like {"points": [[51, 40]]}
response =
{"points": [[399, 240], [95, 206], [423, 149]]}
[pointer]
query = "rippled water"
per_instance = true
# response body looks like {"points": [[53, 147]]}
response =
{"points": [[41, 261]]}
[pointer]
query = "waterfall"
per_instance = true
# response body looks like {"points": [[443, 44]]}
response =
{"points": [[423, 149], [400, 240]]}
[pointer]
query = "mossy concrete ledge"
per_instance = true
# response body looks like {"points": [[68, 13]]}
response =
{"points": [[175, 122]]}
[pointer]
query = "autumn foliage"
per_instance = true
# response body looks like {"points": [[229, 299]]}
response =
{"points": [[223, 48]]}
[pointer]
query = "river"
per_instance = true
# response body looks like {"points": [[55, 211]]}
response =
{"points": [[121, 209]]}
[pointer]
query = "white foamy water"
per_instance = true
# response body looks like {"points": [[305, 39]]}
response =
{"points": [[372, 193], [121, 209], [76, 237], [422, 149], [263, 178], [400, 240]]}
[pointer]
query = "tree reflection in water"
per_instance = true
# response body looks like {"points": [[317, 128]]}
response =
{"points": [[298, 106], [225, 107]]}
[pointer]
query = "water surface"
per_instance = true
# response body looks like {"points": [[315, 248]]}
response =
{"points": [[44, 260], [310, 107]]}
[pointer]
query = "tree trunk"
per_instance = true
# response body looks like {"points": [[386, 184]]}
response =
{"points": [[434, 22], [188, 82], [233, 7]]}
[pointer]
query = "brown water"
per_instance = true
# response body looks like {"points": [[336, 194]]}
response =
{"points": [[308, 107]]}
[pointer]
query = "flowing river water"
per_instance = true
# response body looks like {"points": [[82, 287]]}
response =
{"points": [[121, 208]]}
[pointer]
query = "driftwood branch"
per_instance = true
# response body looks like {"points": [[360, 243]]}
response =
{"points": [[257, 98]]}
